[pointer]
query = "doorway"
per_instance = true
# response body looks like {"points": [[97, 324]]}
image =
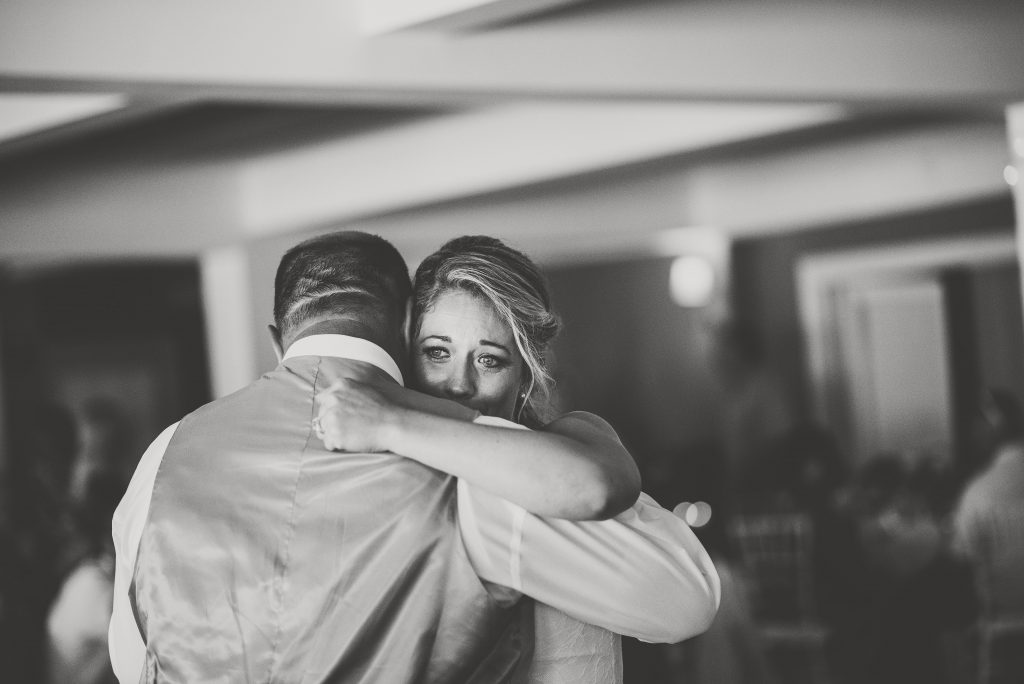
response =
{"points": [[901, 340]]}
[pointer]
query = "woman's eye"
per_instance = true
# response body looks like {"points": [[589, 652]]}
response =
{"points": [[488, 361], [436, 353]]}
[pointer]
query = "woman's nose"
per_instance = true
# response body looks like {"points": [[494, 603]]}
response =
{"points": [[460, 383]]}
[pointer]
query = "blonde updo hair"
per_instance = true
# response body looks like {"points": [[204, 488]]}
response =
{"points": [[514, 286]]}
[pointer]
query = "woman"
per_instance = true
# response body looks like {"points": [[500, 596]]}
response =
{"points": [[482, 325], [79, 618]]}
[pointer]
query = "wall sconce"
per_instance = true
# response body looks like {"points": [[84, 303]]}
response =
{"points": [[692, 281]]}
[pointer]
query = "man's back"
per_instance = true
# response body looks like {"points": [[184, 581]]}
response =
{"points": [[266, 558]]}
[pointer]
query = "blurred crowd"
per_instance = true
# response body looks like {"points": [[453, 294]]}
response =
{"points": [[900, 568]]}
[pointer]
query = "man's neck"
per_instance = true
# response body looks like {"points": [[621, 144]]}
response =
{"points": [[354, 328]]}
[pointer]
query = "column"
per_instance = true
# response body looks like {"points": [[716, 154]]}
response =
{"points": [[1015, 169], [227, 304]]}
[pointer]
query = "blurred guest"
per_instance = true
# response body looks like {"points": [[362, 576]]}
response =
{"points": [[914, 592], [731, 650], [105, 447], [36, 532], [988, 525], [809, 473], [998, 422], [78, 620], [756, 407], [808, 468]]}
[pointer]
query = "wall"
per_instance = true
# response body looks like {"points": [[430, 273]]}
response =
{"points": [[1000, 329], [630, 355], [131, 332]]}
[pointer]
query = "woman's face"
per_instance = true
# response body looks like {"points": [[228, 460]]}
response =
{"points": [[465, 352]]}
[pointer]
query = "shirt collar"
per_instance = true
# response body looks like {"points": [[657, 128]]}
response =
{"points": [[346, 347]]}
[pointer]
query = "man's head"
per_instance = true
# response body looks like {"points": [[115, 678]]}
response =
{"points": [[346, 282], [999, 421]]}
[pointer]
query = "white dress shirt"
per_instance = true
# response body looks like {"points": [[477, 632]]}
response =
{"points": [[641, 574], [988, 531]]}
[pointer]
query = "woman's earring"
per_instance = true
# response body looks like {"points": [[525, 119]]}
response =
{"points": [[520, 406]]}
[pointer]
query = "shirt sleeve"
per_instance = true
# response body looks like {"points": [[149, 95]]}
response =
{"points": [[642, 574], [127, 650]]}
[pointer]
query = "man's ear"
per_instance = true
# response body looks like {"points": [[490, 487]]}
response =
{"points": [[407, 324], [275, 339]]}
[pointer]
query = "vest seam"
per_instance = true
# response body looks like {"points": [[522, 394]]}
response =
{"points": [[290, 532]]}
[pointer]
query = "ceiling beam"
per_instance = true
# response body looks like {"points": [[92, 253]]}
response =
{"points": [[102, 211], [131, 204], [780, 191], [482, 151], [849, 180], [96, 123], [914, 53], [386, 16], [164, 210]]}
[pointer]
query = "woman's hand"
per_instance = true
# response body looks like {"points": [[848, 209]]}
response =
{"points": [[355, 416]]}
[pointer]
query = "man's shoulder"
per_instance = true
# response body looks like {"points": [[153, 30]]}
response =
{"points": [[250, 396]]}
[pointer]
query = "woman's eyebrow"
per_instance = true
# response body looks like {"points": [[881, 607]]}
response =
{"points": [[496, 344], [443, 338]]}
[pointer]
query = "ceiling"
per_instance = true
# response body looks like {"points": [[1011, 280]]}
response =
{"points": [[174, 128]]}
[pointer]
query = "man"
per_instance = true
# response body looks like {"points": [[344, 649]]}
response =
{"points": [[248, 552], [988, 525]]}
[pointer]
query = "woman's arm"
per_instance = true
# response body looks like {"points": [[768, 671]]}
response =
{"points": [[573, 468]]}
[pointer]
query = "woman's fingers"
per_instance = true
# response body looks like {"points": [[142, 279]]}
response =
{"points": [[337, 389], [350, 415]]}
